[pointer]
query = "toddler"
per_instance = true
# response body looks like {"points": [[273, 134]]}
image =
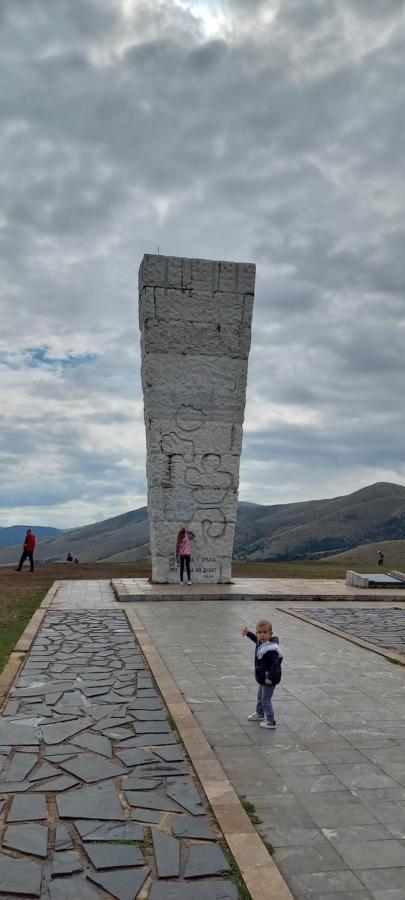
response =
{"points": [[268, 659]]}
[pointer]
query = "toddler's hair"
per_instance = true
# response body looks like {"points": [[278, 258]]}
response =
{"points": [[264, 623]]}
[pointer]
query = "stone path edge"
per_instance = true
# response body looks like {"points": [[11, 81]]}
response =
{"points": [[259, 872], [23, 645], [367, 645]]}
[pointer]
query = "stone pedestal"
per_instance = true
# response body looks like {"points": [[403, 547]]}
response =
{"points": [[195, 320]]}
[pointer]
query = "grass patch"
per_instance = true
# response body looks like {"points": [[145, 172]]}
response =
{"points": [[173, 726], [250, 809], [235, 874], [13, 629], [269, 847]]}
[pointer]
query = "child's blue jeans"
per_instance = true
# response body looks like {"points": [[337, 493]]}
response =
{"points": [[264, 706]]}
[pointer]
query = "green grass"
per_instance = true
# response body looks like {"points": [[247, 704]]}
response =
{"points": [[250, 809], [11, 633], [235, 873], [173, 726], [269, 847]]}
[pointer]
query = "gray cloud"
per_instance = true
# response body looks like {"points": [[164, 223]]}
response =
{"points": [[273, 136]]}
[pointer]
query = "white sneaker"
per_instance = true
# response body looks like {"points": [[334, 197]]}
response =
{"points": [[254, 717], [189, 582], [266, 724]]}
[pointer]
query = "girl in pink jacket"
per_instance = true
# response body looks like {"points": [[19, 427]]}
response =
{"points": [[183, 552]]}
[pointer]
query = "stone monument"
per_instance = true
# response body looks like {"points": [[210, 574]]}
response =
{"points": [[195, 319]]}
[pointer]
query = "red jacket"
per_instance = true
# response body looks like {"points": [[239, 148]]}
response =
{"points": [[29, 543]]}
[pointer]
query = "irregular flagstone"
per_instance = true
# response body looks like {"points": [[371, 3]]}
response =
{"points": [[18, 732], [62, 783], [20, 765], [72, 889], [124, 885], [205, 859], [95, 742], [117, 734], [55, 734], [136, 757], [171, 754], [183, 790], [29, 808], [114, 856], [150, 715], [133, 783], [14, 787], [167, 854], [89, 767], [145, 703], [63, 841], [210, 889], [46, 770], [85, 826], [94, 802], [20, 876], [162, 768], [65, 863], [148, 816], [112, 832], [151, 800], [191, 827], [154, 728], [27, 838], [149, 740]]}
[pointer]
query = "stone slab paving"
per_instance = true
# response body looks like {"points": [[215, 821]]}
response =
{"points": [[384, 627], [98, 799], [329, 784]]}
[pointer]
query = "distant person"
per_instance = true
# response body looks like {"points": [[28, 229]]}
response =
{"points": [[28, 551], [268, 659], [76, 561], [183, 552], [380, 558], [69, 558]]}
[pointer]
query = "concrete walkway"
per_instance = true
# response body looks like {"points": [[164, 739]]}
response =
{"points": [[97, 798], [329, 784]]}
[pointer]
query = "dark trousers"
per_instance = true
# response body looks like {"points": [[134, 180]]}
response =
{"points": [[26, 554], [185, 560]]}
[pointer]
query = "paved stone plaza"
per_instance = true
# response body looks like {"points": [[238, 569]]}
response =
{"points": [[329, 784], [384, 627], [97, 798]]}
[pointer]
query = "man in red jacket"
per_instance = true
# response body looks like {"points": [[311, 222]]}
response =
{"points": [[28, 550]]}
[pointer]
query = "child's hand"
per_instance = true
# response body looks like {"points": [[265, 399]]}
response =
{"points": [[244, 631]]}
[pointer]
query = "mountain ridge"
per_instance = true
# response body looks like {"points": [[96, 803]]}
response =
{"points": [[273, 532]]}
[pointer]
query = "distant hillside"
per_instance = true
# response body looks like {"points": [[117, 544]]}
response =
{"points": [[366, 555], [14, 534], [279, 532]]}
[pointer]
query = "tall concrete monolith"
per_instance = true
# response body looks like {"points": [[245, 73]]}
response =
{"points": [[195, 319]]}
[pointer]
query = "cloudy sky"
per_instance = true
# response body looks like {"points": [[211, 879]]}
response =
{"points": [[259, 130]]}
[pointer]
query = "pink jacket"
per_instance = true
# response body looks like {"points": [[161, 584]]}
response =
{"points": [[184, 544]]}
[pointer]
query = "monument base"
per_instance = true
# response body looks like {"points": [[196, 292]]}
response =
{"points": [[292, 589]]}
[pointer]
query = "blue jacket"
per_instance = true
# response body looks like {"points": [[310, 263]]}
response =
{"points": [[268, 659]]}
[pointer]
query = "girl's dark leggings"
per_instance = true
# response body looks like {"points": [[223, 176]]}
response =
{"points": [[186, 560]]}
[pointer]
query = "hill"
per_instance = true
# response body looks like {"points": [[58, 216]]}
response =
{"points": [[14, 534], [288, 531], [366, 556]]}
